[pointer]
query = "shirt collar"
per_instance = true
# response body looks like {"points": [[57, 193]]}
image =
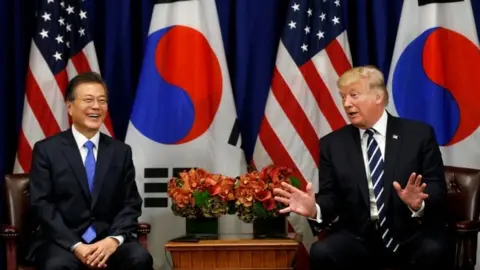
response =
{"points": [[81, 139], [380, 127]]}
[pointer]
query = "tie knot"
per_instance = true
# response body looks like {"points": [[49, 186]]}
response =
{"points": [[370, 132], [89, 145]]}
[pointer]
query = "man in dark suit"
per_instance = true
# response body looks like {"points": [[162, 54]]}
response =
{"points": [[381, 183], [83, 190]]}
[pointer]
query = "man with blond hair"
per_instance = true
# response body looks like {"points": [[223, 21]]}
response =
{"points": [[381, 186]]}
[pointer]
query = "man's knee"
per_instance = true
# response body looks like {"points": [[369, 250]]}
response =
{"points": [[141, 258], [131, 255], [432, 250], [431, 255], [320, 254]]}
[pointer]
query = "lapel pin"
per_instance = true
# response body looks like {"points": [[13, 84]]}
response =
{"points": [[395, 136]]}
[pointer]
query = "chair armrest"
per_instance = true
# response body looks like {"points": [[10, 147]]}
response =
{"points": [[467, 226], [143, 229], [10, 234], [465, 240]]}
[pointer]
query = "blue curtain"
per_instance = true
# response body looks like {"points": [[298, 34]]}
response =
{"points": [[16, 18], [251, 31]]}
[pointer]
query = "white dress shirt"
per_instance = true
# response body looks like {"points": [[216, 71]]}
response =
{"points": [[380, 136], [81, 140]]}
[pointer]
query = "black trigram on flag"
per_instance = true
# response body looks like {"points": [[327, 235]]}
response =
{"points": [[235, 134], [426, 2], [151, 200]]}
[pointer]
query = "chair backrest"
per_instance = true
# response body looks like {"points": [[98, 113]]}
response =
{"points": [[463, 193], [17, 202]]}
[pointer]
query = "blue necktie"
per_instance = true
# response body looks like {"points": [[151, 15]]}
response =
{"points": [[90, 233], [376, 164]]}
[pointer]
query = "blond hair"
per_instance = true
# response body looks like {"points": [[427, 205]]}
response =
{"points": [[372, 74]]}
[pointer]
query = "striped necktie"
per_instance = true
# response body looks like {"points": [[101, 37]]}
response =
{"points": [[376, 165]]}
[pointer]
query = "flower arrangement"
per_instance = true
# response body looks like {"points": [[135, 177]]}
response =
{"points": [[198, 193], [254, 192]]}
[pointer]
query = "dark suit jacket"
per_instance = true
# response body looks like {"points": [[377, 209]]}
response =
{"points": [[343, 186], [60, 197]]}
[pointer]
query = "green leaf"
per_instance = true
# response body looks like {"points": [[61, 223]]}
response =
{"points": [[259, 210], [201, 198], [295, 182]]}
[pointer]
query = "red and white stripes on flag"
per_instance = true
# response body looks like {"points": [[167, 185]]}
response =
{"points": [[61, 48], [303, 104]]}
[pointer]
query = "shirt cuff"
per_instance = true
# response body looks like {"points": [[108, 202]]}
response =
{"points": [[72, 248], [119, 238], [318, 218], [418, 213]]}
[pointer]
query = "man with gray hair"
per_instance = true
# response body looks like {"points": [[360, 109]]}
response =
{"points": [[381, 185]]}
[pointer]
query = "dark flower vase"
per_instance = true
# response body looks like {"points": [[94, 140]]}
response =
{"points": [[275, 227], [202, 228]]}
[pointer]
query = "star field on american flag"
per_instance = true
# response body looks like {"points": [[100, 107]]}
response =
{"points": [[61, 49], [62, 31], [312, 25]]}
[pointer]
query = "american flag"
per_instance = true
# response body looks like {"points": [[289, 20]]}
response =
{"points": [[303, 103], [61, 48]]}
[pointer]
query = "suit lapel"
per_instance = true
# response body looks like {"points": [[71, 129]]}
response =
{"points": [[72, 155], [392, 147], [357, 163], [104, 156]]}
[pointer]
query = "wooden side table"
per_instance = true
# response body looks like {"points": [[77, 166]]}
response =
{"points": [[241, 254]]}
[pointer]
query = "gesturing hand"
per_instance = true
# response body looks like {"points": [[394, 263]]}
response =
{"points": [[297, 201], [413, 193]]}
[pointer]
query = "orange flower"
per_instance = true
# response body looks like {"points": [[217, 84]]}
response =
{"points": [[182, 198], [263, 195], [245, 195], [212, 184], [250, 185], [259, 186], [226, 188], [244, 179], [171, 187], [274, 185], [269, 204], [194, 177], [210, 180], [180, 192], [265, 172], [276, 173]]}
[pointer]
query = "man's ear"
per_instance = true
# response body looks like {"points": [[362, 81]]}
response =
{"points": [[69, 107], [379, 96]]}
